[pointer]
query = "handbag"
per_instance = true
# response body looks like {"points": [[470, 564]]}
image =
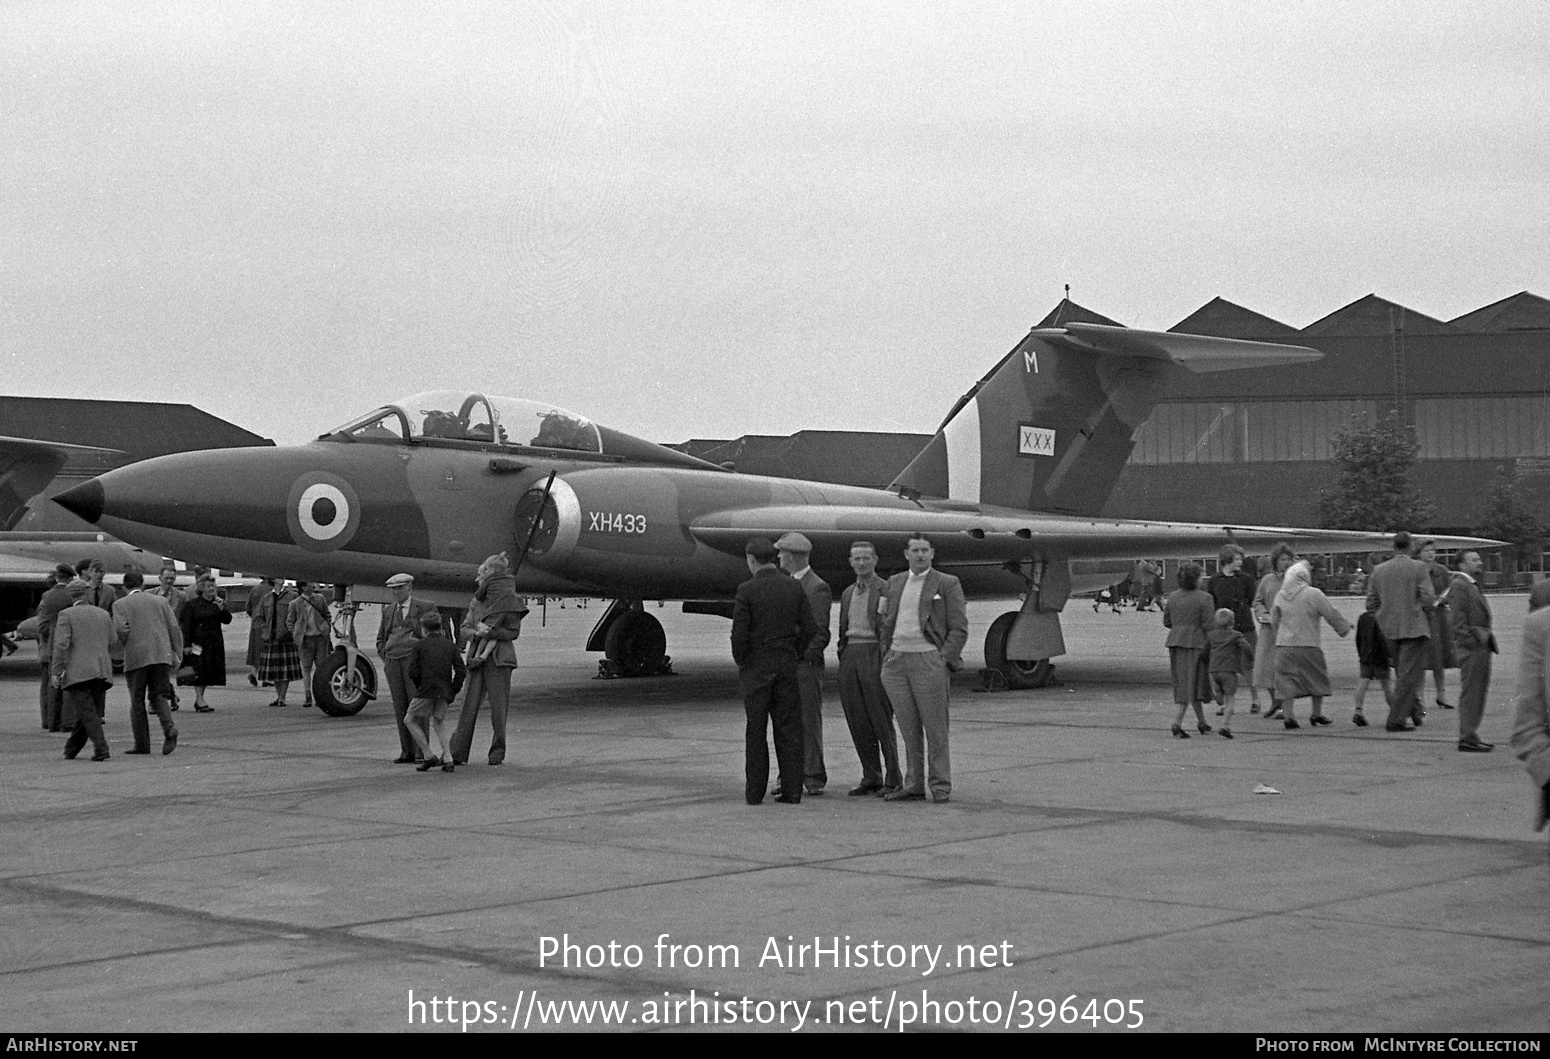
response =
{"points": [[188, 672]]}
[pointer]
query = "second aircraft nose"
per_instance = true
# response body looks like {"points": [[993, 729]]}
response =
{"points": [[84, 501]]}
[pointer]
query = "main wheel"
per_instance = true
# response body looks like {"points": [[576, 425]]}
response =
{"points": [[636, 644], [339, 690], [1018, 674]]}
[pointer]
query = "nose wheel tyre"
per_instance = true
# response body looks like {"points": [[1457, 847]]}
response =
{"points": [[339, 689]]}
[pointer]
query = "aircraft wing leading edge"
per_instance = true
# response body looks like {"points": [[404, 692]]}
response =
{"points": [[993, 538]]}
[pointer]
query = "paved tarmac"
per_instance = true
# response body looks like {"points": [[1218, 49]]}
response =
{"points": [[278, 873]]}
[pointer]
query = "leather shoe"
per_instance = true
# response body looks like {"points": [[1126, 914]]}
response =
{"points": [[1397, 728], [404, 759], [940, 799], [904, 796], [862, 791], [1318, 719], [813, 792], [1475, 746], [428, 764], [1359, 720], [1445, 705], [789, 800], [170, 743], [147, 751], [102, 756]]}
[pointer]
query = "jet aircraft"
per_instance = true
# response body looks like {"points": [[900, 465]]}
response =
{"points": [[27, 559], [1008, 490]]}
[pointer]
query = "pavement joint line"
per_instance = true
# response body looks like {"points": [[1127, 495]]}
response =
{"points": [[269, 930]]}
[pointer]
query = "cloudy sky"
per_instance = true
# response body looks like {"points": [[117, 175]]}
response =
{"points": [[710, 219]]}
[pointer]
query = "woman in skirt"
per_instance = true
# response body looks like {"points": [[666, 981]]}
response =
{"points": [[1189, 615], [279, 662], [1300, 668], [1281, 557]]}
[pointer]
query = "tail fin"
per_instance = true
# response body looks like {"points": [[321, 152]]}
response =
{"points": [[1051, 426]]}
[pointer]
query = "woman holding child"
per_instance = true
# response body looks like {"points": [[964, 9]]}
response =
{"points": [[494, 620]]}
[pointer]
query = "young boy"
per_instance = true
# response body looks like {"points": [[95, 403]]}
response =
{"points": [[437, 672], [1227, 649], [1372, 651]]}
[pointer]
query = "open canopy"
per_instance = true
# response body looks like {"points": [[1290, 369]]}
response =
{"points": [[459, 415]]}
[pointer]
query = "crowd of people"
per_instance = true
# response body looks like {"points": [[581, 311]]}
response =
{"points": [[1418, 617], [898, 641]]}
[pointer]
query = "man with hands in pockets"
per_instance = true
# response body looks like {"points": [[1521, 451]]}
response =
{"points": [[922, 636]]}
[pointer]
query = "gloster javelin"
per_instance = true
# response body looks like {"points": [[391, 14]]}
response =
{"points": [[1008, 490]]}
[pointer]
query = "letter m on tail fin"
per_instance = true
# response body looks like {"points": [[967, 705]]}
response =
{"points": [[1051, 426]]}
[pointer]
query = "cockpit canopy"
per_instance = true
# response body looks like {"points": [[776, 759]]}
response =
{"points": [[459, 415]]}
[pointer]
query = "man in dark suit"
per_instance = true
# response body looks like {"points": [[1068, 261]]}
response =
{"points": [[772, 624], [923, 633], [867, 712], [1475, 643], [1400, 596], [56, 599], [396, 637], [153, 645], [795, 558]]}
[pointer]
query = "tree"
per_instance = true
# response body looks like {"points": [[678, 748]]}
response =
{"points": [[1374, 487], [1506, 519]]}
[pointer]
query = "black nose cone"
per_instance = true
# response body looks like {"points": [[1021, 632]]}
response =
{"points": [[84, 500]]}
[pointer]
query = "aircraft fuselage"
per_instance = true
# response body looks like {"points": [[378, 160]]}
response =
{"points": [[353, 512]]}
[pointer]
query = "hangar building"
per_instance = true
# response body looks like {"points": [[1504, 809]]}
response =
{"points": [[134, 430], [1254, 446]]}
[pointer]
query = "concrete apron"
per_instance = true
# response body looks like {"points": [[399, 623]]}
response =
{"points": [[277, 872]]}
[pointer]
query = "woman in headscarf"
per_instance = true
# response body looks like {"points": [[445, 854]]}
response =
{"points": [[1531, 717], [1189, 614], [1300, 668], [1281, 557], [1440, 643], [494, 620]]}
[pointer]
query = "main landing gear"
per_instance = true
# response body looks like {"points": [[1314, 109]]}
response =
{"points": [[632, 642], [1018, 674]]}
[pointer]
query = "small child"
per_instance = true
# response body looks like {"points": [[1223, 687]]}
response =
{"points": [[1372, 651], [1227, 648], [437, 672]]}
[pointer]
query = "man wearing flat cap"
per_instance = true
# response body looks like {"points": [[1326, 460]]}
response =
{"points": [[395, 644], [795, 555]]}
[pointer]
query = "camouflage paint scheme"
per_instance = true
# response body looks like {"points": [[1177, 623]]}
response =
{"points": [[1006, 490]]}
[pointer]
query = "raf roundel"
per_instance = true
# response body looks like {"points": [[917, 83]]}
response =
{"points": [[324, 512]]}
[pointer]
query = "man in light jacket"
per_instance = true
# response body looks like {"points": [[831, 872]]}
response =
{"points": [[83, 636], [1400, 595], [923, 634], [153, 646]]}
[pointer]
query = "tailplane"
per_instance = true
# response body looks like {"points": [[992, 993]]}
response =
{"points": [[1051, 426]]}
